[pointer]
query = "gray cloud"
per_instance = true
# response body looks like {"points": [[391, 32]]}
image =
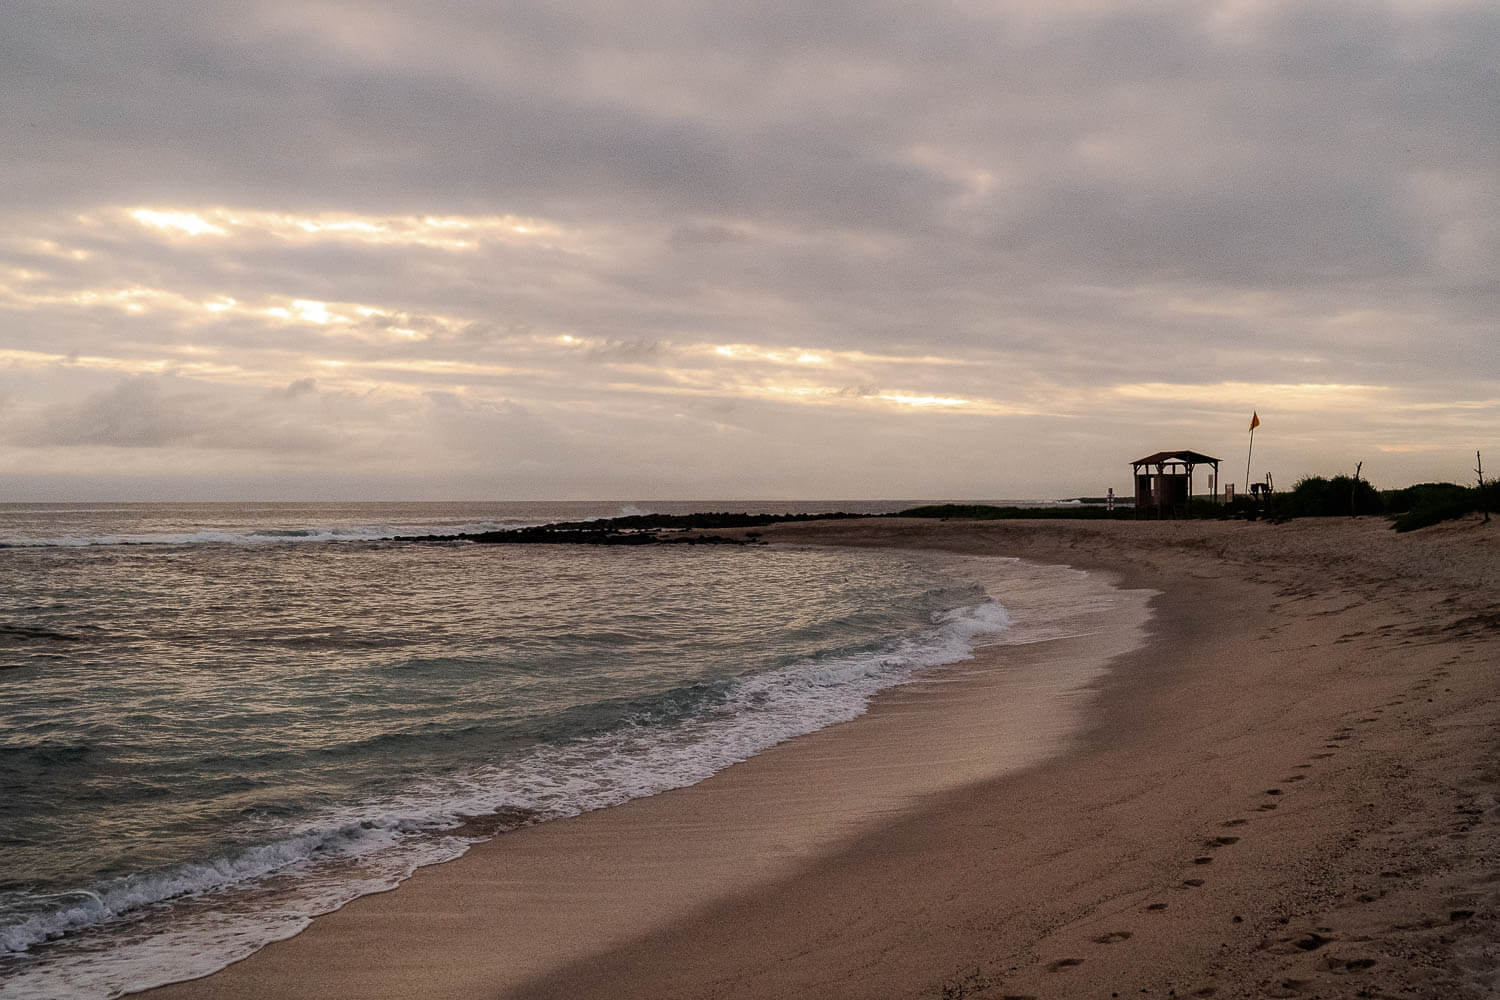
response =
{"points": [[146, 412], [296, 388], [626, 351], [131, 414], [1057, 201]]}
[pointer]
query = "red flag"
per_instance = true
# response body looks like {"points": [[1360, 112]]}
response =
{"points": [[1254, 420]]}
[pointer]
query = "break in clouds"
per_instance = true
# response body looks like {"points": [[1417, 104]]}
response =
{"points": [[698, 249]]}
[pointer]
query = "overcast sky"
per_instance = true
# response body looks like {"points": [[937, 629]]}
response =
{"points": [[791, 248]]}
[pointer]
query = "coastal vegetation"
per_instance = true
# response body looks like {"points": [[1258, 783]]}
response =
{"points": [[1317, 496], [1435, 502], [1409, 508]]}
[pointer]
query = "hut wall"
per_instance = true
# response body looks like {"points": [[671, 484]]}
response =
{"points": [[1174, 491], [1143, 494]]}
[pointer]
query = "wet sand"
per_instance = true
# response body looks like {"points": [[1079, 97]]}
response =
{"points": [[1289, 789]]}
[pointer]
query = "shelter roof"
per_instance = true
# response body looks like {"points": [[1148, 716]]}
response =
{"points": [[1188, 457]]}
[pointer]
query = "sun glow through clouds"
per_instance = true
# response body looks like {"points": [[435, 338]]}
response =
{"points": [[442, 232], [909, 400], [190, 223], [316, 312]]}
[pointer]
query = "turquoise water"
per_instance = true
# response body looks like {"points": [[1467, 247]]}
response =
{"points": [[220, 719]]}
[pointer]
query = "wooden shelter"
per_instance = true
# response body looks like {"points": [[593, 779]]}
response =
{"points": [[1164, 481]]}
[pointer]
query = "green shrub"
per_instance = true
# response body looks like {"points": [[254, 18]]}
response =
{"points": [[1445, 505], [1421, 495], [1317, 496], [1209, 508]]}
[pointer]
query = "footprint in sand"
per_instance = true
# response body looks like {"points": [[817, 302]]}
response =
{"points": [[1112, 937], [1311, 941], [1064, 963], [1266, 806], [1156, 906], [1218, 842], [1192, 883], [1273, 791], [1203, 861]]}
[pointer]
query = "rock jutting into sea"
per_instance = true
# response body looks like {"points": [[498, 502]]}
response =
{"points": [[636, 529]]}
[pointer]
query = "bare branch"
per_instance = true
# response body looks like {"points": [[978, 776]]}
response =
{"points": [[1479, 472]]}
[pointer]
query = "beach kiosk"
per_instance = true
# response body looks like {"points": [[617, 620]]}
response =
{"points": [[1164, 481]]}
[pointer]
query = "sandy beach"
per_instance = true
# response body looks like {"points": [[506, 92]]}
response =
{"points": [[1281, 781]]}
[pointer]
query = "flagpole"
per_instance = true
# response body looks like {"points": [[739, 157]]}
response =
{"points": [[1247, 459]]}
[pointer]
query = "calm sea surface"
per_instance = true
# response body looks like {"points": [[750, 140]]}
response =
{"points": [[217, 720]]}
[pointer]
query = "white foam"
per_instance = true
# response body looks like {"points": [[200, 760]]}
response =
{"points": [[386, 841], [112, 900]]}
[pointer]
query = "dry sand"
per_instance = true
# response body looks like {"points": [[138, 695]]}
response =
{"points": [[1289, 790]]}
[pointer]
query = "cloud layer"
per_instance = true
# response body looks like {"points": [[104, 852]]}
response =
{"points": [[692, 249]]}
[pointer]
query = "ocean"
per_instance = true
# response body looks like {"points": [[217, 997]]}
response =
{"points": [[219, 720]]}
